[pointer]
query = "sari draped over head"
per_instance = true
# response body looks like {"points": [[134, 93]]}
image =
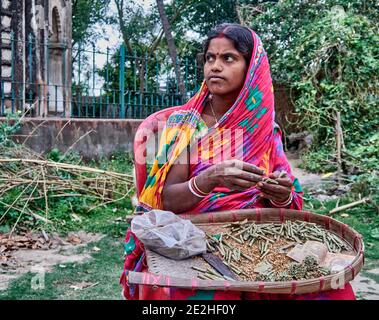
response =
{"points": [[261, 144], [247, 131]]}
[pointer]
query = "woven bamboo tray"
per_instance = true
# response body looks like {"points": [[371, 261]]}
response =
{"points": [[179, 274]]}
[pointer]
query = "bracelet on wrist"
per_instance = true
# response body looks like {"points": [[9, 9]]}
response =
{"points": [[283, 203], [191, 187], [197, 189]]}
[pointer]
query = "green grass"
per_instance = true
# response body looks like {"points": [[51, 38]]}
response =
{"points": [[71, 214], [74, 213], [363, 218], [105, 268]]}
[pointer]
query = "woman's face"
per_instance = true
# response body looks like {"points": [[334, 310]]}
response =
{"points": [[224, 68]]}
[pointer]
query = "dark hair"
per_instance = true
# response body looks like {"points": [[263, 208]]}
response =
{"points": [[241, 37]]}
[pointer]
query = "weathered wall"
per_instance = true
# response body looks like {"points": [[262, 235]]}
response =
{"points": [[45, 28], [92, 138], [6, 12]]}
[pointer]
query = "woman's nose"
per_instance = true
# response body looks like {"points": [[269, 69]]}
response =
{"points": [[216, 66]]}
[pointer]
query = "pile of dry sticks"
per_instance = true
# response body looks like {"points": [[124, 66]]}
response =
{"points": [[38, 181]]}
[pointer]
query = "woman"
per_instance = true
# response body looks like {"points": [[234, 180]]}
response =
{"points": [[218, 152]]}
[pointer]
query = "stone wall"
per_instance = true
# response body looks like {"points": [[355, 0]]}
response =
{"points": [[5, 46], [92, 138], [45, 27]]}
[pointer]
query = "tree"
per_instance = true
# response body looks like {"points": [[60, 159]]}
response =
{"points": [[141, 32], [327, 53], [85, 14], [171, 45]]}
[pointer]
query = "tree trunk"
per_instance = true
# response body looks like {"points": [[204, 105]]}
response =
{"points": [[141, 72], [121, 21], [171, 46], [40, 89]]}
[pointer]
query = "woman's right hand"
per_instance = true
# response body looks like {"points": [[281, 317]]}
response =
{"points": [[232, 174]]}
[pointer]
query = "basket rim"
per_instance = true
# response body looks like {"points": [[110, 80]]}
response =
{"points": [[260, 215]]}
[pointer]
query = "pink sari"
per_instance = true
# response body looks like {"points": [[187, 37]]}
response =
{"points": [[260, 143]]}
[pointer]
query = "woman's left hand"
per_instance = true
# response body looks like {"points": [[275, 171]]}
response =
{"points": [[277, 192]]}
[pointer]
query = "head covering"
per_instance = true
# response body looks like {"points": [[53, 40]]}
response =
{"points": [[245, 131]]}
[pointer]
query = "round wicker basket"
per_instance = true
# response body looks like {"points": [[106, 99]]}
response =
{"points": [[267, 215]]}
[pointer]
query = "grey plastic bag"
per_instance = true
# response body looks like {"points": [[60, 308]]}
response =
{"points": [[169, 235]]}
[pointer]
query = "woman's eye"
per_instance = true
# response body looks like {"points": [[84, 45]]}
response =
{"points": [[209, 58], [228, 58]]}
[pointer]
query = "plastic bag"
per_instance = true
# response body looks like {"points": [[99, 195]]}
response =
{"points": [[169, 235]]}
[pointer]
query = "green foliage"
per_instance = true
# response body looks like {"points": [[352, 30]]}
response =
{"points": [[8, 127], [76, 212], [363, 218], [73, 213], [104, 270], [327, 53], [190, 21], [85, 15], [201, 16]]}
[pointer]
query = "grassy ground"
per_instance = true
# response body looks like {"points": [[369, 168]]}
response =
{"points": [[364, 219], [105, 269], [106, 266]]}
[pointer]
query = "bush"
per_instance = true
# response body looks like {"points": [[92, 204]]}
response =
{"points": [[327, 53]]}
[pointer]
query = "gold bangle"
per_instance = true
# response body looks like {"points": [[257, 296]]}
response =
{"points": [[198, 189], [194, 192], [282, 204]]}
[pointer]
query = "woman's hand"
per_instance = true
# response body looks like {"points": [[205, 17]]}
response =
{"points": [[232, 174], [279, 192]]}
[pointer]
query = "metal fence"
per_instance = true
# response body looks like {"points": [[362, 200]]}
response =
{"points": [[54, 79]]}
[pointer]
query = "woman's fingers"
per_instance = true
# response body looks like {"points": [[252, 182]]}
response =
{"points": [[275, 197], [245, 166], [268, 196], [252, 168], [242, 174], [283, 180], [239, 184], [287, 182], [273, 188]]}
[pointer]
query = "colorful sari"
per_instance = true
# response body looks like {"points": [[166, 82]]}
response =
{"points": [[247, 131]]}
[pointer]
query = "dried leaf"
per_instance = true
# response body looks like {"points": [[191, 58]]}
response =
{"points": [[83, 285], [74, 240], [263, 267]]}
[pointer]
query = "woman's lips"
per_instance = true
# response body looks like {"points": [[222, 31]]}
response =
{"points": [[216, 79]]}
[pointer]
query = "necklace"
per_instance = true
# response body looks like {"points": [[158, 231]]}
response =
{"points": [[214, 115]]}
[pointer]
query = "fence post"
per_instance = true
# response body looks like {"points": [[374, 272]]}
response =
{"points": [[146, 73], [107, 82], [30, 50], [64, 81], [122, 81], [78, 87], [186, 79], [12, 71]]}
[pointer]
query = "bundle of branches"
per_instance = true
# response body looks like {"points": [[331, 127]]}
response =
{"points": [[37, 181], [31, 185]]}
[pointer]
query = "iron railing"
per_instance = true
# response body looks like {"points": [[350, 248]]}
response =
{"points": [[55, 79]]}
